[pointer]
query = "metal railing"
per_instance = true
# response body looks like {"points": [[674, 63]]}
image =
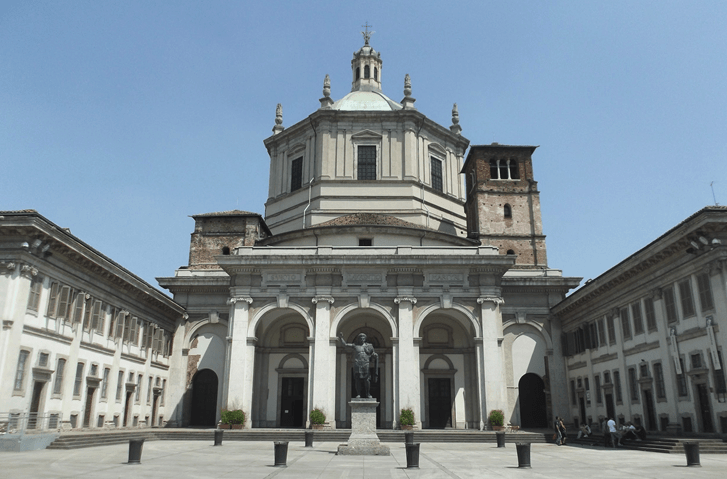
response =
{"points": [[28, 423]]}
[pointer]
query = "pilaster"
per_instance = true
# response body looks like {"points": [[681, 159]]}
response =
{"points": [[239, 362], [324, 360], [408, 361], [493, 363]]}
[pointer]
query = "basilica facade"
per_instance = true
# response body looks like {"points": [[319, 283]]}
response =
{"points": [[378, 221]]}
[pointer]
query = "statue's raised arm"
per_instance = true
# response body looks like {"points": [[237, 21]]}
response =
{"points": [[343, 341]]}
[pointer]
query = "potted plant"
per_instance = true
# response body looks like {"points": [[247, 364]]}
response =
{"points": [[497, 420], [232, 419], [406, 419], [317, 419]]}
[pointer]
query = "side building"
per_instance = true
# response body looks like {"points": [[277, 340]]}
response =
{"points": [[84, 342], [644, 341]]}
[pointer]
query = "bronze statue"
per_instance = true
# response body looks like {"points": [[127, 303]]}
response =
{"points": [[363, 352]]}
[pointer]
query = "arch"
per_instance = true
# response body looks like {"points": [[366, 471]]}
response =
{"points": [[507, 211], [204, 398], [539, 328], [272, 306], [440, 357], [533, 408], [225, 250], [353, 306], [199, 325], [288, 357], [456, 307], [367, 72]]}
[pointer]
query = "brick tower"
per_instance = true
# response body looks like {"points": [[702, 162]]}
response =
{"points": [[503, 202]]}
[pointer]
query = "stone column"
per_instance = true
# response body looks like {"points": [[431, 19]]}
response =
{"points": [[324, 361], [237, 392], [408, 361], [493, 366], [481, 405]]}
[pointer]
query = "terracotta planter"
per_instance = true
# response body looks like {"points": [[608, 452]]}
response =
{"points": [[317, 427], [407, 428], [231, 426], [498, 428], [225, 426]]}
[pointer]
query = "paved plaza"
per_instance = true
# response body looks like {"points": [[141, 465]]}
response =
{"points": [[245, 459]]}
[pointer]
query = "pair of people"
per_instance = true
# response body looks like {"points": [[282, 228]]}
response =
{"points": [[585, 431], [613, 433], [560, 431]]}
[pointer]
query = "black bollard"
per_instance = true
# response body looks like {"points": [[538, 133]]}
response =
{"points": [[281, 453], [692, 451], [409, 437], [500, 439], [308, 438], [218, 437], [135, 446], [523, 454], [412, 456]]}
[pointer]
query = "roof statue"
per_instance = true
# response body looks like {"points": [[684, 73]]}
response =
{"points": [[408, 101], [367, 34], [455, 128], [278, 119]]}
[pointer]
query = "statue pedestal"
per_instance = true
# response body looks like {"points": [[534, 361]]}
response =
{"points": [[363, 440]]}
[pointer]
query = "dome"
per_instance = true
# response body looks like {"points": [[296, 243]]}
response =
{"points": [[366, 101]]}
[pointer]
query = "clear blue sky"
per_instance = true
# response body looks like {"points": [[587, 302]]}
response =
{"points": [[118, 119]]}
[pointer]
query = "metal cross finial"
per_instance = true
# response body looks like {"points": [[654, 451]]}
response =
{"points": [[367, 34]]}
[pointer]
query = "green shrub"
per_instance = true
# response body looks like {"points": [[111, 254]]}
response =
{"points": [[496, 417], [317, 417], [406, 418], [236, 416]]}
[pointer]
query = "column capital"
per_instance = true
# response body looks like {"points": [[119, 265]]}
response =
{"points": [[234, 300], [28, 271], [403, 299], [491, 299], [317, 299]]}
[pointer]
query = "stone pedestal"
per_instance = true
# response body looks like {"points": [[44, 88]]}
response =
{"points": [[363, 440]]}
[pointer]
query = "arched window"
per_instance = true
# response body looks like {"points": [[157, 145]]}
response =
{"points": [[493, 170], [367, 72], [503, 169], [358, 73], [376, 74], [508, 211], [510, 251], [514, 171], [225, 250]]}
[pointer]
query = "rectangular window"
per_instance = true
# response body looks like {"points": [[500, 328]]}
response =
{"points": [[587, 384], [366, 163], [119, 330], [138, 388], [112, 322], [437, 183], [597, 379], [78, 304], [633, 385], [120, 385], [36, 286], [617, 386], [670, 305], [52, 300], [696, 361], [65, 300], [43, 360], [97, 317], [719, 382], [148, 390], [650, 314], [611, 330], [636, 315], [164, 390], [625, 324], [659, 377], [296, 174], [573, 393], [685, 294], [706, 302], [601, 333], [105, 383], [20, 370], [79, 380], [682, 380], [58, 383]]}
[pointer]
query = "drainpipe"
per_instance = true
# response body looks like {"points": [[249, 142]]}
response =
{"points": [[310, 186]]}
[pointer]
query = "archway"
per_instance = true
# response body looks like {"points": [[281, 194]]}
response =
{"points": [[533, 412], [204, 398]]}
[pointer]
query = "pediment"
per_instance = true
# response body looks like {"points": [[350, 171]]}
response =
{"points": [[366, 135], [438, 149]]}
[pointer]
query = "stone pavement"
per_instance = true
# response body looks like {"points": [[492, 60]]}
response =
{"points": [[246, 459]]}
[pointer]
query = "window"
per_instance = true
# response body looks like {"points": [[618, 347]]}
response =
{"points": [[611, 330], [682, 380], [633, 385], [105, 383], [367, 72], [138, 388], [659, 377], [601, 333], [296, 174], [625, 324], [376, 74], [507, 211], [705, 292], [358, 73], [597, 379], [78, 304], [97, 317], [437, 183], [573, 392], [79, 380], [685, 294], [36, 286], [650, 315], [87, 314], [226, 250], [63, 304], [670, 305], [617, 386], [20, 371], [636, 314], [58, 383], [587, 385], [365, 242], [503, 169], [148, 390], [119, 385], [366, 162], [696, 361], [164, 388], [719, 382]]}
